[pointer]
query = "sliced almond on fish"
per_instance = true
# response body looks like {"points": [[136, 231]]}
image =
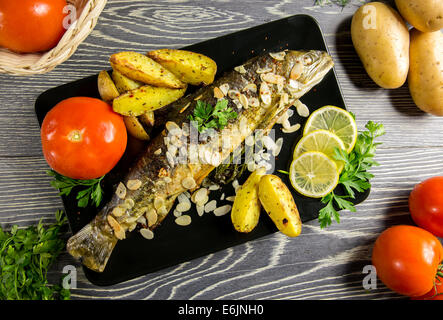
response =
{"points": [[233, 94], [250, 87], [200, 210], [224, 88], [118, 230], [188, 183], [240, 69], [263, 70], [218, 93], [134, 184], [265, 93], [244, 101], [130, 203], [162, 210], [118, 211], [121, 191], [152, 217], [273, 78], [254, 102], [185, 107], [158, 152], [296, 71], [158, 202], [147, 234], [280, 56]]}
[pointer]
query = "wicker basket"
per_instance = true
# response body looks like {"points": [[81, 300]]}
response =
{"points": [[88, 12]]}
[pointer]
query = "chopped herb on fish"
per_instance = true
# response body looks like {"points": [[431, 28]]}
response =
{"points": [[206, 116]]}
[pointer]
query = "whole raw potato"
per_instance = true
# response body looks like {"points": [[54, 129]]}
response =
{"points": [[426, 71], [424, 15], [381, 39]]}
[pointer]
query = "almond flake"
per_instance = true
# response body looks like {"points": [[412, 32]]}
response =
{"points": [[244, 101], [280, 56], [218, 93], [147, 234], [296, 71], [224, 88], [221, 211], [240, 69], [183, 220], [152, 217], [118, 211], [189, 183], [121, 191], [250, 87], [134, 184], [118, 230]]}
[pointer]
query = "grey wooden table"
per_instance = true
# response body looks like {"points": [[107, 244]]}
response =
{"points": [[319, 264]]}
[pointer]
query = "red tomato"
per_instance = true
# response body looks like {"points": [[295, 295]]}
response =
{"points": [[31, 25], [426, 205], [406, 259], [83, 138], [436, 292]]}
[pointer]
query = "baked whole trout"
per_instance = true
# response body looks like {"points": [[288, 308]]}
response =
{"points": [[259, 91]]}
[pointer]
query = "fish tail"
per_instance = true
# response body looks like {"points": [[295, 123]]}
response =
{"points": [[92, 246]]}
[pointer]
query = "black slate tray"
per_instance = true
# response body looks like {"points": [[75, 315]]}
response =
{"points": [[174, 244]]}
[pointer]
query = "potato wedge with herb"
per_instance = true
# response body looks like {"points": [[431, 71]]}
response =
{"points": [[106, 87], [278, 202], [144, 99], [190, 67], [142, 68], [135, 128], [124, 83], [246, 208]]}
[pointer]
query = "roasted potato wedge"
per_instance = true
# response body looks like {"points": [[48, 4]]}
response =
{"points": [[142, 68], [190, 67], [144, 99], [135, 128], [123, 83], [278, 202], [246, 208], [106, 87], [147, 119]]}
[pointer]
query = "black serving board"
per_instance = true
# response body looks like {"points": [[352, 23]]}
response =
{"points": [[173, 244]]}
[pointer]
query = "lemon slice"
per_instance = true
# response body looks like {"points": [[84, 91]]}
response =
{"points": [[336, 120], [323, 141], [313, 174]]}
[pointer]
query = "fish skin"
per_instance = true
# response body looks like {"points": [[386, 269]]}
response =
{"points": [[94, 243]]}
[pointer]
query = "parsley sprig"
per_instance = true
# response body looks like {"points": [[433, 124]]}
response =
{"points": [[207, 116], [355, 175], [25, 257], [92, 193]]}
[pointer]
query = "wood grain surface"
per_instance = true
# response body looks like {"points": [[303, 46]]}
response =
{"points": [[320, 264]]}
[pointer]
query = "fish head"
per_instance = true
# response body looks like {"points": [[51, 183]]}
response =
{"points": [[305, 69]]}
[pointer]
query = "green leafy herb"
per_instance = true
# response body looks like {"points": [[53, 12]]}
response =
{"points": [[25, 258], [206, 116], [355, 176], [93, 191]]}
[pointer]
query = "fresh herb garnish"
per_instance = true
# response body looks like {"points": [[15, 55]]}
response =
{"points": [[25, 258], [206, 116], [93, 191], [355, 175]]}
